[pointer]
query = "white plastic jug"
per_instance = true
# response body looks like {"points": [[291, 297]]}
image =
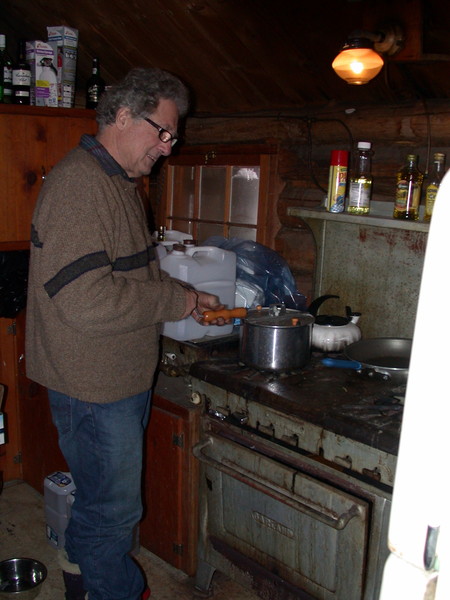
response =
{"points": [[207, 269]]}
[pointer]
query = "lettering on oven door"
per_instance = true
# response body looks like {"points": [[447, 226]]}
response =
{"points": [[271, 524]]}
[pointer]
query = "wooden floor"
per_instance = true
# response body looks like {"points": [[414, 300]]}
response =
{"points": [[22, 533]]}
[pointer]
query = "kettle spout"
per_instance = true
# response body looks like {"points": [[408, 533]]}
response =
{"points": [[355, 317]]}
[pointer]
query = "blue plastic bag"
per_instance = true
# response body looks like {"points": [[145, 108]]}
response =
{"points": [[263, 267]]}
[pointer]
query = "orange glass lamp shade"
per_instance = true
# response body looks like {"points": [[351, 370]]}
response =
{"points": [[357, 65]]}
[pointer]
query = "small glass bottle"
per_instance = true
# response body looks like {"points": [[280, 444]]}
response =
{"points": [[337, 181], [161, 233], [432, 188], [95, 86], [21, 77], [409, 187], [360, 188]]}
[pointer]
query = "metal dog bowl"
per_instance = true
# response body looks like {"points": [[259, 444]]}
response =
{"points": [[21, 578]]}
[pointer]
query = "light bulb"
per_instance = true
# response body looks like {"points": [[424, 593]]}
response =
{"points": [[358, 65]]}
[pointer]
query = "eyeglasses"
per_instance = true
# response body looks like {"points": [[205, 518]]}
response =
{"points": [[164, 135]]}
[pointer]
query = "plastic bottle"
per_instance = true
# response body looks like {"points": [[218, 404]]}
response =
{"points": [[337, 181], [207, 269], [6, 63], [360, 188], [432, 188], [95, 85], [409, 187]]}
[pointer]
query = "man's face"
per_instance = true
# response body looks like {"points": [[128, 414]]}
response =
{"points": [[139, 146]]}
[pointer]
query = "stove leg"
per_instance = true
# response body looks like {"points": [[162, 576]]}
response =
{"points": [[203, 578]]}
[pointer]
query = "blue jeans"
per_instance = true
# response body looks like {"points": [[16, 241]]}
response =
{"points": [[102, 444]]}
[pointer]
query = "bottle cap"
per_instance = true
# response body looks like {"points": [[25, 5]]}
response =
{"points": [[339, 157], [364, 145]]}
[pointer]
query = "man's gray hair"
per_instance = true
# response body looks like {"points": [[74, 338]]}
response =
{"points": [[140, 91]]}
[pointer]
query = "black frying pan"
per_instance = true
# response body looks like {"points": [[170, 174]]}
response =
{"points": [[387, 358]]}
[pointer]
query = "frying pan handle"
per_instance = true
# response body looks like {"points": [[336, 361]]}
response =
{"points": [[342, 364]]}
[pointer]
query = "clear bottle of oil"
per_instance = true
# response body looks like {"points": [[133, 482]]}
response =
{"points": [[409, 188], [432, 188], [360, 189]]}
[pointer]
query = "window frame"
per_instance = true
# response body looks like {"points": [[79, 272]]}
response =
{"points": [[262, 156]]}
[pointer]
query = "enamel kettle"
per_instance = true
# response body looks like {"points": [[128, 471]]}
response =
{"points": [[332, 333]]}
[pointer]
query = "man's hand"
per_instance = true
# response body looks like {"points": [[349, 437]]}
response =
{"points": [[199, 302]]}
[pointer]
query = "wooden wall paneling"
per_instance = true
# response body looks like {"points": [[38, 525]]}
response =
{"points": [[7, 206]]}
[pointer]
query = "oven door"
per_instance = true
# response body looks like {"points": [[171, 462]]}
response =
{"points": [[296, 528]]}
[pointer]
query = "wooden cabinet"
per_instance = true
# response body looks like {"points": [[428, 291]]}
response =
{"points": [[39, 449], [33, 140], [10, 356], [222, 190], [169, 527], [31, 451]]}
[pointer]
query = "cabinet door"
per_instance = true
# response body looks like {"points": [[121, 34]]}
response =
{"points": [[39, 449], [169, 525], [10, 467], [39, 438], [31, 143], [220, 190]]}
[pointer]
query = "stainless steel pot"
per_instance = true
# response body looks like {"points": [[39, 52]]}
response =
{"points": [[386, 358], [276, 338]]}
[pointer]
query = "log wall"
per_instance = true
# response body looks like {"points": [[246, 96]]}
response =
{"points": [[305, 140]]}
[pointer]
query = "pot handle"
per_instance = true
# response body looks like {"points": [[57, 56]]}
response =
{"points": [[342, 364], [237, 313]]}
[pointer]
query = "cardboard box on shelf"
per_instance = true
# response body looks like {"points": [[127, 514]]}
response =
{"points": [[64, 41], [41, 58]]}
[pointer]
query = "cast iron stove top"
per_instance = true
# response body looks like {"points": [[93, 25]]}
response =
{"points": [[350, 404]]}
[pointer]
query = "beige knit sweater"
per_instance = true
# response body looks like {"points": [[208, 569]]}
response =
{"points": [[96, 297]]}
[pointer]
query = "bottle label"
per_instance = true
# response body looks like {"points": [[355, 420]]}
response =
{"points": [[431, 194], [21, 77], [337, 183], [94, 92], [407, 196], [7, 74], [359, 194]]}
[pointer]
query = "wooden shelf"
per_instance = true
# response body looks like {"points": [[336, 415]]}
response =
{"points": [[380, 216]]}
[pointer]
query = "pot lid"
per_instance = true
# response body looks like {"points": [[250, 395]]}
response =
{"points": [[270, 317]]}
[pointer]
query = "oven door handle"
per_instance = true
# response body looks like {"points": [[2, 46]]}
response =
{"points": [[339, 522]]}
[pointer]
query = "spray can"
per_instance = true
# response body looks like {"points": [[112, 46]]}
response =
{"points": [[337, 181]]}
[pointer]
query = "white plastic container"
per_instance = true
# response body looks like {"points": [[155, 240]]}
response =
{"points": [[207, 269], [59, 490]]}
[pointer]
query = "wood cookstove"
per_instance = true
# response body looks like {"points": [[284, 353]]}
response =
{"points": [[297, 475]]}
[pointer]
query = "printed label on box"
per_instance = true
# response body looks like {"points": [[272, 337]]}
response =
{"points": [[44, 87]]}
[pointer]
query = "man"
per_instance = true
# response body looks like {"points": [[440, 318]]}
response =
{"points": [[96, 302]]}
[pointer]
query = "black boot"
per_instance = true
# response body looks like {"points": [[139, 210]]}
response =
{"points": [[72, 578], [74, 586]]}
